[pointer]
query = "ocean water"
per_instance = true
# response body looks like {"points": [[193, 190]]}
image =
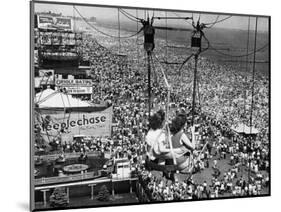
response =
{"points": [[228, 41]]}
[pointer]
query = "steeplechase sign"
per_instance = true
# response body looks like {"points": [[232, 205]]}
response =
{"points": [[95, 123]]}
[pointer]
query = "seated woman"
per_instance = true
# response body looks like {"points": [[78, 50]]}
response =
{"points": [[182, 146], [155, 134]]}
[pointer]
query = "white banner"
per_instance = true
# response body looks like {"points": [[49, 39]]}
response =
{"points": [[79, 90], [67, 125], [50, 22], [73, 82]]}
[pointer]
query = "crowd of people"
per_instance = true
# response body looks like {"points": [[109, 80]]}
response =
{"points": [[223, 101], [159, 189]]}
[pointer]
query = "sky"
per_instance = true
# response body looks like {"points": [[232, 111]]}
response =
{"points": [[111, 14]]}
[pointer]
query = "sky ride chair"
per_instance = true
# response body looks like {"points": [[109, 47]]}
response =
{"points": [[177, 165]]}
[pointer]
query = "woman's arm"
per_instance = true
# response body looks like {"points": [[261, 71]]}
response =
{"points": [[186, 142], [163, 148]]}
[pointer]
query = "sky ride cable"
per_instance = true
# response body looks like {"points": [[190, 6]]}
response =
{"points": [[184, 19], [253, 76], [119, 37], [247, 64], [154, 71], [214, 22], [135, 18], [217, 21], [184, 62], [43, 121], [42, 86], [198, 90], [46, 97], [166, 40], [243, 55], [119, 71], [101, 32], [137, 38], [127, 16], [163, 72], [64, 107], [167, 109]]}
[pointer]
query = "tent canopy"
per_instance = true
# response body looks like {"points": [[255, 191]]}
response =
{"points": [[242, 128], [51, 98]]}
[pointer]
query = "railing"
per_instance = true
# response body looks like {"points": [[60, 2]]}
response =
{"points": [[141, 193], [81, 178], [76, 177], [70, 178], [66, 155]]}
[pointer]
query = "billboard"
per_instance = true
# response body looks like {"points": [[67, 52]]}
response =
{"points": [[50, 22], [74, 82], [45, 22], [79, 90], [57, 38], [46, 77], [97, 123], [75, 86], [63, 23]]}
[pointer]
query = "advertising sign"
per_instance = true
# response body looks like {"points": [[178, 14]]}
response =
{"points": [[49, 22], [79, 90], [46, 77], [75, 86], [74, 82], [66, 125], [45, 21], [64, 23]]}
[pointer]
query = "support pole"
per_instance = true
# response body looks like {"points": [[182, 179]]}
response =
{"points": [[253, 89], [131, 189], [67, 194], [112, 191], [194, 90], [119, 36], [45, 196], [253, 76], [247, 64], [149, 83], [92, 190]]}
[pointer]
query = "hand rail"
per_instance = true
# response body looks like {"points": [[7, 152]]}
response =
{"points": [[69, 178]]}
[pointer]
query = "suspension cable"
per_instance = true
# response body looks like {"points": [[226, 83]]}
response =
{"points": [[154, 74], [163, 73], [166, 40], [218, 21], [46, 97], [244, 55], [43, 122], [167, 110], [40, 83], [184, 62], [127, 15], [137, 38], [253, 77], [198, 89], [247, 63], [184, 19], [119, 38], [101, 32]]}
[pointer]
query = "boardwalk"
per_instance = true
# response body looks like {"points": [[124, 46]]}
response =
{"points": [[51, 157], [65, 179], [84, 182]]}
